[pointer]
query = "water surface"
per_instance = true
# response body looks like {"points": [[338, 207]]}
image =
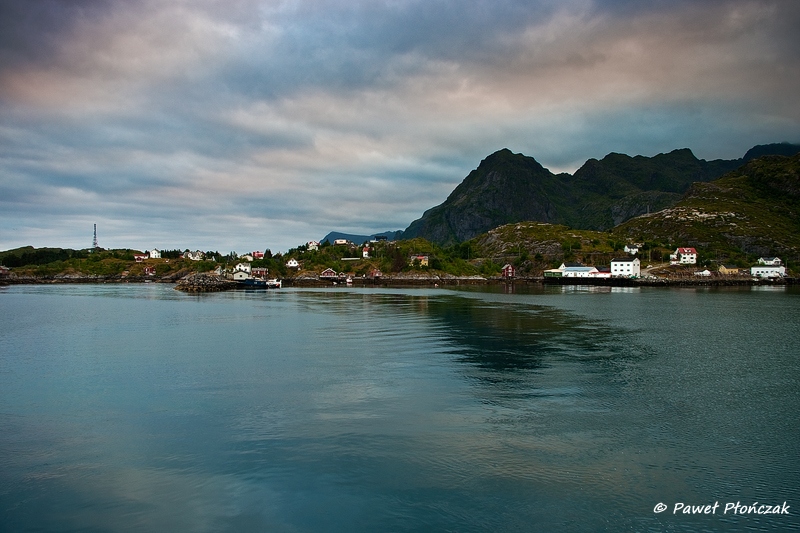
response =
{"points": [[136, 407]]}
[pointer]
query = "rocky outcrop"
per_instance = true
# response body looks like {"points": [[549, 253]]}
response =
{"points": [[204, 282]]}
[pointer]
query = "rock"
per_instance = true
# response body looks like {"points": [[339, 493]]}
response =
{"points": [[204, 282]]}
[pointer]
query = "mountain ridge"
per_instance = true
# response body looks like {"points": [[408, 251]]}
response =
{"points": [[507, 188]]}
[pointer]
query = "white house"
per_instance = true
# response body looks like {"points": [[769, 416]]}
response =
{"points": [[154, 254], [313, 245], [771, 261], [292, 263], [240, 275], [340, 242], [768, 271], [365, 252], [246, 257], [194, 256], [627, 267], [242, 267], [632, 249], [683, 256], [577, 271]]}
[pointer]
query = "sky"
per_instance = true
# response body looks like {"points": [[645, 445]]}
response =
{"points": [[240, 125]]}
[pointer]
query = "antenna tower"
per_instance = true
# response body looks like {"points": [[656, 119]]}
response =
{"points": [[94, 241]]}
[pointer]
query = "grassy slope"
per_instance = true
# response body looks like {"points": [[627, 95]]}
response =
{"points": [[752, 211]]}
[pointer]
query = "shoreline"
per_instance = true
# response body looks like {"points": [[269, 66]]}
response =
{"points": [[211, 283]]}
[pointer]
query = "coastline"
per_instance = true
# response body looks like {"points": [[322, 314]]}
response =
{"points": [[210, 283]]}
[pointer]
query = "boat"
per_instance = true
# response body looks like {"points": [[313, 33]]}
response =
{"points": [[257, 283]]}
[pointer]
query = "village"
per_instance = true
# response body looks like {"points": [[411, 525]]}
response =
{"points": [[249, 268], [630, 267]]}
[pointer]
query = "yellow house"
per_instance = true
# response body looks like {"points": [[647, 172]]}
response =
{"points": [[729, 270]]}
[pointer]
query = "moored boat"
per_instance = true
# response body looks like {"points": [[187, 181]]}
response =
{"points": [[257, 283]]}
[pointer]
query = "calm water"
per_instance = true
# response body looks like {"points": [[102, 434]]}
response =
{"points": [[139, 408]]}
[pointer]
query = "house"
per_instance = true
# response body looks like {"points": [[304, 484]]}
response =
{"points": [[632, 249], [553, 273], [421, 259], [313, 245], [150, 270], [703, 273], [4, 271], [508, 271], [683, 256], [259, 272], [768, 271], [154, 253], [341, 242], [601, 273], [771, 261], [246, 257], [578, 271], [241, 275], [139, 257], [243, 267], [375, 274], [626, 267], [729, 270], [573, 270], [194, 256], [365, 252], [292, 263], [329, 273], [258, 255]]}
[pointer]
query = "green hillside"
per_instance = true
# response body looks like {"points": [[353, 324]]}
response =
{"points": [[752, 211]]}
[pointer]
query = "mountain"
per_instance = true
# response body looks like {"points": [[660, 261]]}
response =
{"points": [[508, 188], [505, 188], [755, 210]]}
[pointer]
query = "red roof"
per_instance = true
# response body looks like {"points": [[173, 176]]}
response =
{"points": [[687, 251]]}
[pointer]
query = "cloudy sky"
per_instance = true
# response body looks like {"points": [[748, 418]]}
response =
{"points": [[252, 124]]}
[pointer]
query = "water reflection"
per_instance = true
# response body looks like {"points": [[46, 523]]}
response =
{"points": [[401, 410]]}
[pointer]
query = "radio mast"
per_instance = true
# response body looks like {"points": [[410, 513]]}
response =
{"points": [[94, 241]]}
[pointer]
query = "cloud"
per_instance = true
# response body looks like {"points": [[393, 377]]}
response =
{"points": [[188, 120]]}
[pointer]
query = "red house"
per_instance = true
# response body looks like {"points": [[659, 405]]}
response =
{"points": [[509, 271], [328, 273]]}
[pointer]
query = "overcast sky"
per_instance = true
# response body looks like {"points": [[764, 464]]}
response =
{"points": [[243, 125]]}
